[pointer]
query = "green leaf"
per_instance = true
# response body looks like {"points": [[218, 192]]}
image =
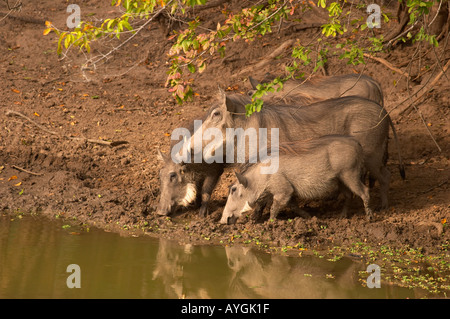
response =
{"points": [[202, 67], [259, 104], [185, 45], [109, 25], [191, 67], [195, 44], [67, 41], [322, 3], [127, 25], [61, 37]]}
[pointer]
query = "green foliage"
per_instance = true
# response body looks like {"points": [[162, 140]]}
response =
{"points": [[195, 46], [261, 90], [417, 9]]}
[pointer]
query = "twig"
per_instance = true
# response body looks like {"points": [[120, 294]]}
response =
{"points": [[401, 34], [305, 26], [208, 5], [409, 59], [90, 61], [270, 57], [10, 112], [26, 171], [413, 104], [7, 14], [426, 126], [386, 63], [89, 140], [356, 82], [437, 13], [434, 187], [439, 62], [435, 80], [423, 86], [17, 6]]}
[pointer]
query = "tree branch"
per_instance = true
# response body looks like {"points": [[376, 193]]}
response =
{"points": [[270, 57], [89, 140]]}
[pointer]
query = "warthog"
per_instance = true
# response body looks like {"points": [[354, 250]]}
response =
{"points": [[297, 92], [366, 120], [309, 170], [184, 184], [323, 88]]}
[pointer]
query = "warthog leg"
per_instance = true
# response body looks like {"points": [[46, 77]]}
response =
{"points": [[352, 180]]}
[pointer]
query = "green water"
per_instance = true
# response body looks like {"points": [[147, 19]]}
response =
{"points": [[35, 253]]}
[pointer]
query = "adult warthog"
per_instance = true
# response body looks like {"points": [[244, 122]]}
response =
{"points": [[363, 119], [323, 88], [297, 92]]}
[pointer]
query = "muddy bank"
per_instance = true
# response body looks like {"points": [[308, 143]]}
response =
{"points": [[115, 188]]}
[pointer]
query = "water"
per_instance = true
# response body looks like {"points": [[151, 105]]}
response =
{"points": [[35, 253]]}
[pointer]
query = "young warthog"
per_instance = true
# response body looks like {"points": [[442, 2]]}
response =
{"points": [[309, 170], [323, 88]]}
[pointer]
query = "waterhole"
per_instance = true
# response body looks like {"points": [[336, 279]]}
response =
{"points": [[35, 254]]}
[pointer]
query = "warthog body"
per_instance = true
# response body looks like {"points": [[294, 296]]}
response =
{"points": [[323, 88], [309, 170], [354, 116]]}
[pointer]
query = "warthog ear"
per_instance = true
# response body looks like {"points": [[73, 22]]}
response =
{"points": [[253, 82], [161, 157], [222, 96], [242, 179], [225, 103]]}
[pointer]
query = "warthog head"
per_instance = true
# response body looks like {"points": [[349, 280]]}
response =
{"points": [[238, 200], [176, 187]]}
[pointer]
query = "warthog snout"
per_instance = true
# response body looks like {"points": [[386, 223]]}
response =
{"points": [[164, 209], [227, 220]]}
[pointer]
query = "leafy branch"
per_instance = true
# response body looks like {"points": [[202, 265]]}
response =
{"points": [[194, 47]]}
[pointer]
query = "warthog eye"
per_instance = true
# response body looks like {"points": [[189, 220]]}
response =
{"points": [[233, 189], [216, 113], [172, 176]]}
